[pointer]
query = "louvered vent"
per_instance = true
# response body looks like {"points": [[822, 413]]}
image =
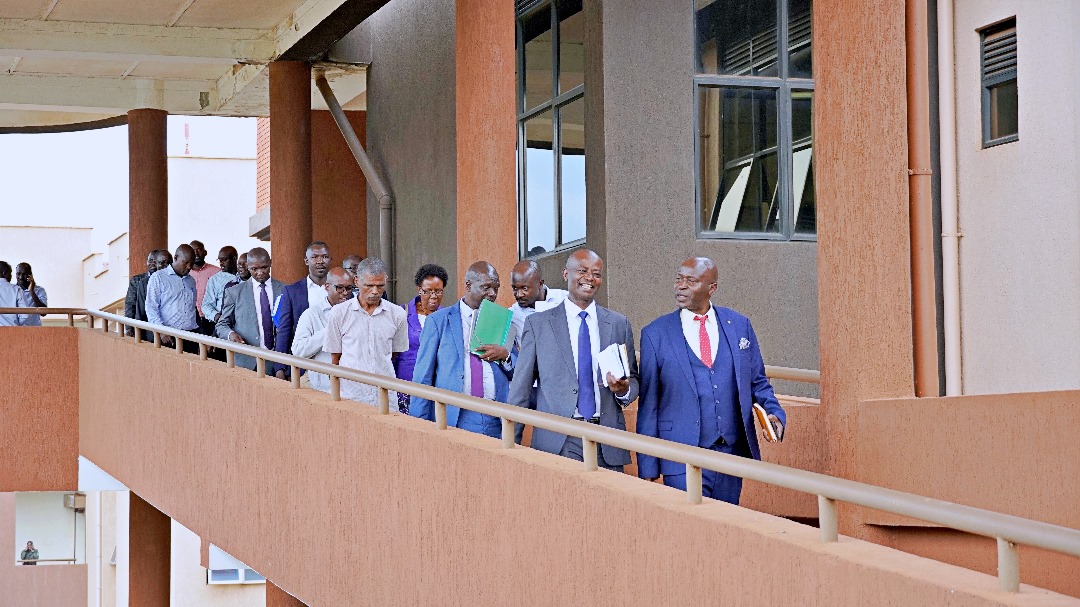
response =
{"points": [[999, 52], [747, 56]]}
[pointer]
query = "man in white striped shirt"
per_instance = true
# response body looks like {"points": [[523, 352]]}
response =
{"points": [[311, 328]]}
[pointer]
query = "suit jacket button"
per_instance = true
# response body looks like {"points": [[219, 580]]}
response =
{"points": [[575, 390]]}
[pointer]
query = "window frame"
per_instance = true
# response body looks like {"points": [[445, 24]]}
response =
{"points": [[985, 84], [784, 87], [523, 114]]}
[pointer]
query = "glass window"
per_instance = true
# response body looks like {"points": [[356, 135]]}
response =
{"points": [[1001, 120], [754, 119], [551, 125]]}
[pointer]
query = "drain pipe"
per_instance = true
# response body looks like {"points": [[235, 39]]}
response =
{"points": [[950, 223], [374, 181], [921, 203]]}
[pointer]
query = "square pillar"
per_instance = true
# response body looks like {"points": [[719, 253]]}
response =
{"points": [[290, 167], [150, 550], [148, 186]]}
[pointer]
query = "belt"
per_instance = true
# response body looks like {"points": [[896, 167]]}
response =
{"points": [[591, 420]]}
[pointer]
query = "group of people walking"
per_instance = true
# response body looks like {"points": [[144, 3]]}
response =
{"points": [[699, 374]]}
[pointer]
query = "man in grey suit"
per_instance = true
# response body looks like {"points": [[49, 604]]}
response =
{"points": [[246, 310], [559, 352]]}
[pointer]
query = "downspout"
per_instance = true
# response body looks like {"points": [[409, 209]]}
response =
{"points": [[374, 181], [950, 224], [921, 203]]}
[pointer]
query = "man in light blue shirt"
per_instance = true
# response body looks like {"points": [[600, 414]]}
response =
{"points": [[215, 287], [170, 295], [32, 295], [10, 297]]}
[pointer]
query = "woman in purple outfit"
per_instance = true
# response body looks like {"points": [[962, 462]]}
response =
{"points": [[430, 282]]}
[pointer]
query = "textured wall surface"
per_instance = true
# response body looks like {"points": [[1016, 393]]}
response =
{"points": [[338, 188], [148, 186], [1020, 206], [864, 263], [290, 166], [35, 586], [486, 140], [39, 409], [973, 450], [411, 134], [298, 477]]}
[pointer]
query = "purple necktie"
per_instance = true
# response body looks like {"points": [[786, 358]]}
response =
{"points": [[476, 376], [267, 320]]}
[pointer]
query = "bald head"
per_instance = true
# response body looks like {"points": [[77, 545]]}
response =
{"points": [[695, 283], [258, 264], [183, 259], [584, 276], [339, 285], [481, 282], [528, 283]]}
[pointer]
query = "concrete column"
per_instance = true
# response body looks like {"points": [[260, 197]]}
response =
{"points": [[148, 186], [276, 597], [864, 260], [290, 167], [339, 190], [486, 125], [150, 548]]}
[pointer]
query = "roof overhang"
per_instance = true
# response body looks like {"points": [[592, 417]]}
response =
{"points": [[83, 63]]}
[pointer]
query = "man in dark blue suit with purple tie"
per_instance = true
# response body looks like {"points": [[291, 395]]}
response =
{"points": [[701, 372]]}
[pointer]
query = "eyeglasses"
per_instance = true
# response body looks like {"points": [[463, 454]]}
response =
{"points": [[435, 292], [343, 288]]}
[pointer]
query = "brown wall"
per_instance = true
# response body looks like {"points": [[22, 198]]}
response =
{"points": [[35, 586], [262, 167], [486, 179], [864, 265], [1011, 453], [297, 477], [39, 409], [338, 187]]}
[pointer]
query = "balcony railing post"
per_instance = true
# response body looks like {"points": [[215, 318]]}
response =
{"points": [[89, 322], [335, 387], [508, 434], [230, 359], [104, 325], [384, 401], [138, 335], [693, 484], [440, 415], [71, 319], [588, 453], [203, 351], [294, 375], [157, 339], [1008, 566], [260, 367], [827, 519], [179, 344]]}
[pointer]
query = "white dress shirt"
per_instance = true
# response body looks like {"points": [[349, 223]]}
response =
{"points": [[315, 293], [308, 340], [573, 321], [366, 342], [256, 291], [466, 332], [691, 330]]}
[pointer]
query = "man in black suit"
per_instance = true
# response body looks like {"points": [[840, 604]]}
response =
{"points": [[135, 302]]}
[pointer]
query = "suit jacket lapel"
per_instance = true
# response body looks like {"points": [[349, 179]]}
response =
{"points": [[677, 343], [732, 341], [453, 321], [561, 332]]}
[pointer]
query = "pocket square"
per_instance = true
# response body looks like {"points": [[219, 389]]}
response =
{"points": [[744, 343]]}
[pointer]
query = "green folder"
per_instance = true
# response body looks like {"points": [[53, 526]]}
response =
{"points": [[491, 325]]}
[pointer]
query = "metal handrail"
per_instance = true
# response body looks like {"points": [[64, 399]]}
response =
{"points": [[1009, 531]]}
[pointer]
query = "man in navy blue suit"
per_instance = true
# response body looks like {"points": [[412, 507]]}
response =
{"points": [[444, 359], [701, 372], [298, 296]]}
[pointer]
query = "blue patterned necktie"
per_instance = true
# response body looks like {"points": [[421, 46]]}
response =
{"points": [[586, 395]]}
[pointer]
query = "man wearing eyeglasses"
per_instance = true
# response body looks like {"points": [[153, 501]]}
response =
{"points": [[311, 328]]}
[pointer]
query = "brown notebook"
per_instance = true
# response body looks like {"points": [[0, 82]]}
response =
{"points": [[763, 421]]}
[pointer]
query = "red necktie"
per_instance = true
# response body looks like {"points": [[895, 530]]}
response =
{"points": [[703, 340]]}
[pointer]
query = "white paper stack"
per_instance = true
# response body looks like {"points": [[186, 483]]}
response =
{"points": [[613, 359]]}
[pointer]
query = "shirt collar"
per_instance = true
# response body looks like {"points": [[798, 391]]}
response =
{"points": [[354, 305], [688, 316], [466, 311], [572, 309]]}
